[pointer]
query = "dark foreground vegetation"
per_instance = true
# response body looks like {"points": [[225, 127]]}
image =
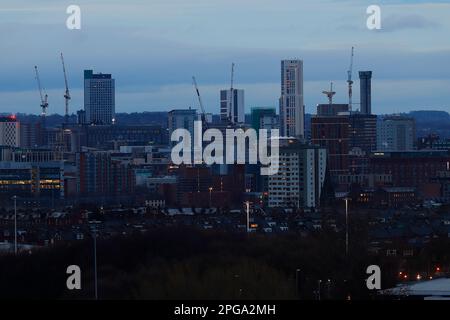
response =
{"points": [[188, 264]]}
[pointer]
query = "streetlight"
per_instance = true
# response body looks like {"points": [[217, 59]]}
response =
{"points": [[15, 224], [247, 205], [297, 282], [95, 264], [94, 235], [346, 225], [210, 194], [319, 282]]}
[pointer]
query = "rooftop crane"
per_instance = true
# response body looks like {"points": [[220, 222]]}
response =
{"points": [[67, 93], [330, 94], [44, 97], [203, 113], [231, 93], [350, 81]]}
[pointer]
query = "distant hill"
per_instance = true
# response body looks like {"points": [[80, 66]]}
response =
{"points": [[432, 122], [430, 116]]}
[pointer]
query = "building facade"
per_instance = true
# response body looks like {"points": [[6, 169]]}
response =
{"points": [[365, 86], [182, 119], [396, 133], [264, 118], [292, 109], [232, 106], [9, 132], [99, 98], [300, 179]]}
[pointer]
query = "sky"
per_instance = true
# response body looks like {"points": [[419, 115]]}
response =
{"points": [[154, 47]]}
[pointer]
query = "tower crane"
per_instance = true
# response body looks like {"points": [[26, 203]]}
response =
{"points": [[330, 94], [202, 109], [350, 81], [67, 93], [44, 96]]}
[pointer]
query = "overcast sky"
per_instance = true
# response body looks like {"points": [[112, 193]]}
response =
{"points": [[153, 47]]}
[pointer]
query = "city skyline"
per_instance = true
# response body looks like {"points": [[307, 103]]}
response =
{"points": [[153, 58]]}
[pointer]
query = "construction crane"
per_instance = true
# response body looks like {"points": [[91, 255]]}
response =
{"points": [[231, 93], [202, 109], [67, 93], [350, 81], [44, 96], [330, 94]]}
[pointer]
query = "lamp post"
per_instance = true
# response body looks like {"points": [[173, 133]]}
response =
{"points": [[247, 205], [94, 235], [297, 282], [210, 196], [15, 224], [346, 225], [319, 288]]}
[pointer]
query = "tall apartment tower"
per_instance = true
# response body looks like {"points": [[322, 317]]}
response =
{"points": [[292, 109], [232, 106], [365, 83], [396, 133], [264, 118], [182, 119], [301, 177], [99, 98]]}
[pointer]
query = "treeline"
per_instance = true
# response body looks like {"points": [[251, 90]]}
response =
{"points": [[187, 264]]}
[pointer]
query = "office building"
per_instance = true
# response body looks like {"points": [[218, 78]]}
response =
{"points": [[9, 131], [98, 173], [410, 168], [182, 119], [300, 179], [292, 109], [264, 118], [396, 133], [365, 83], [363, 132], [332, 133], [31, 135], [99, 98], [32, 179], [232, 106]]}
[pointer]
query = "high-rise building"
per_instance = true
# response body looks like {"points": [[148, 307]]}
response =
{"points": [[99, 98], [365, 83], [182, 119], [9, 131], [292, 109], [81, 116], [362, 141], [363, 132], [31, 134], [98, 173], [232, 106], [264, 118], [396, 133], [332, 133], [300, 178]]}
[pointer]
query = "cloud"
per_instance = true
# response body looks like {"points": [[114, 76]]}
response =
{"points": [[398, 22]]}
